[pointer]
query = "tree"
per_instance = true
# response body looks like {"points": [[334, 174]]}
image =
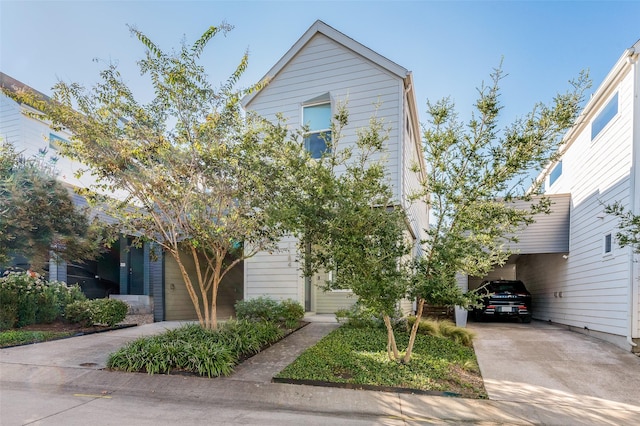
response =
{"points": [[474, 173], [347, 221], [37, 214], [186, 170], [629, 226]]}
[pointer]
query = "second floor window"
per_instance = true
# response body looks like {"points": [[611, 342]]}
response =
{"points": [[317, 119], [604, 116]]}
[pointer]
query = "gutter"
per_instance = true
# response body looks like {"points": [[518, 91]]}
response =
{"points": [[634, 200]]}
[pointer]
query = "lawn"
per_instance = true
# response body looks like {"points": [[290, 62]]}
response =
{"points": [[357, 356], [25, 337]]}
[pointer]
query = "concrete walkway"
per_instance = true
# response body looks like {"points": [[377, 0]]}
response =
{"points": [[61, 382]]}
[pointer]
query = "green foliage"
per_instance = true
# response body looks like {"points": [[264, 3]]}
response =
{"points": [[109, 311], [291, 313], [193, 349], [360, 316], [21, 337], [629, 226], [354, 355], [97, 311], [287, 313], [8, 307], [474, 172], [27, 298], [80, 312], [38, 214], [348, 221], [445, 329], [208, 182]]}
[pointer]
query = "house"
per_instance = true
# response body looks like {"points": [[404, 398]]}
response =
{"points": [[126, 271], [325, 67], [570, 261], [322, 68]]}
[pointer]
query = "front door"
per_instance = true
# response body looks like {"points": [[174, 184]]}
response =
{"points": [[136, 270]]}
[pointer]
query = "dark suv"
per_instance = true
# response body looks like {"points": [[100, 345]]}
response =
{"points": [[504, 298]]}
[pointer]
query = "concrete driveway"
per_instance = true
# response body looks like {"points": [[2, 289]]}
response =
{"points": [[543, 363]]}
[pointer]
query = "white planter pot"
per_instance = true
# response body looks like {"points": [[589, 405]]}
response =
{"points": [[461, 316]]}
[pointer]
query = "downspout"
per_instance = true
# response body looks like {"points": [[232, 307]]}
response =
{"points": [[634, 304]]}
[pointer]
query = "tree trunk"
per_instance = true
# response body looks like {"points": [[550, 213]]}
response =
{"points": [[414, 331], [392, 348], [187, 282]]}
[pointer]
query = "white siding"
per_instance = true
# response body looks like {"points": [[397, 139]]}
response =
{"points": [[322, 66], [549, 233], [590, 289], [412, 180], [28, 135], [275, 274], [10, 120]]}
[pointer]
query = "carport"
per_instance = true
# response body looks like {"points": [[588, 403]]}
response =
{"points": [[541, 249]]}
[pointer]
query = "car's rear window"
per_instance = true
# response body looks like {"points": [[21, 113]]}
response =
{"points": [[499, 287]]}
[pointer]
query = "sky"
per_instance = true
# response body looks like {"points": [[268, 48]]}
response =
{"points": [[451, 47]]}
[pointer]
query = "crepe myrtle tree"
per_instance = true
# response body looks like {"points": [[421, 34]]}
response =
{"points": [[199, 178], [38, 219], [474, 172]]}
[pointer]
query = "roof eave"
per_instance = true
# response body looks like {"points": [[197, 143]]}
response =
{"points": [[337, 36]]}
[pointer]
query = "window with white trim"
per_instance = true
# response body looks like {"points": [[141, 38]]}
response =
{"points": [[316, 117], [555, 173], [605, 115]]}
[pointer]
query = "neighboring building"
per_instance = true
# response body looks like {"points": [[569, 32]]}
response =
{"points": [[322, 68], [592, 285], [124, 270]]}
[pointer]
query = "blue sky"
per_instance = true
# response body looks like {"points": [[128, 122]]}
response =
{"points": [[451, 47]]}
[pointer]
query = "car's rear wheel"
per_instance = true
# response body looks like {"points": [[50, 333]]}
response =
{"points": [[526, 319]]}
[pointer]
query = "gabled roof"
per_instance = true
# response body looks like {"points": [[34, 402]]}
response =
{"points": [[320, 27]]}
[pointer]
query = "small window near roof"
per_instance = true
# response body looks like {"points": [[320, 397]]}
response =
{"points": [[317, 119], [604, 116], [555, 173], [55, 142], [607, 244]]}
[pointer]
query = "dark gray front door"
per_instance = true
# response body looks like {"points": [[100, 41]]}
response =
{"points": [[136, 270]]}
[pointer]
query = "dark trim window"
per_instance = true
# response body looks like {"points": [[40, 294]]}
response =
{"points": [[317, 119], [607, 243], [555, 173], [604, 116]]}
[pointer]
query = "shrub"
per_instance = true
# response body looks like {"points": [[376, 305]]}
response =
{"points": [[291, 313], [258, 309], [359, 316], [191, 348], [8, 307], [80, 312], [47, 307], [445, 329], [27, 298], [109, 311], [96, 311], [286, 313]]}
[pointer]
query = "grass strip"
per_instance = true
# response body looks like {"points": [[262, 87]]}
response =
{"points": [[358, 356], [19, 337]]}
